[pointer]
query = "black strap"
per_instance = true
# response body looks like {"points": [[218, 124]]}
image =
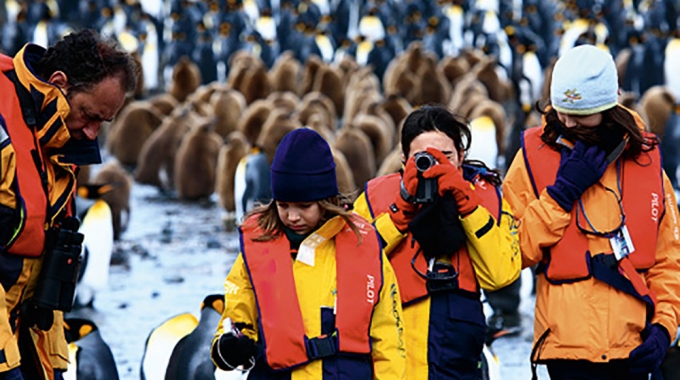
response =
{"points": [[322, 346]]}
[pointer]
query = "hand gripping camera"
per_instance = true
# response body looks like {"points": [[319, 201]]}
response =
{"points": [[427, 187]]}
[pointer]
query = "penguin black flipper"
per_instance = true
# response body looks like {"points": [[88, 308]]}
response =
{"points": [[190, 358]]}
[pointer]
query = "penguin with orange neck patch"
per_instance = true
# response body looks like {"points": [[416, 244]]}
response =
{"points": [[90, 357], [97, 226]]}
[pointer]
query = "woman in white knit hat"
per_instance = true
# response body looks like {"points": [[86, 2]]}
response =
{"points": [[599, 217]]}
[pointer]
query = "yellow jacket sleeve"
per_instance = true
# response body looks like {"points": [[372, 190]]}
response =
{"points": [[389, 234], [239, 301], [387, 326], [541, 222], [493, 247], [664, 277]]}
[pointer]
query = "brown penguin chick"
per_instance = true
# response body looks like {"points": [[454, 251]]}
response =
{"points": [[358, 151], [253, 118], [196, 162], [317, 103], [328, 81], [378, 133], [256, 84], [277, 125], [165, 103], [498, 88], [434, 87], [118, 198], [286, 100], [468, 90], [285, 74], [453, 68], [656, 106], [228, 106], [628, 99], [392, 163], [309, 70], [235, 147], [398, 108], [343, 173], [158, 152], [317, 122], [357, 99], [131, 129], [186, 78], [621, 61]]}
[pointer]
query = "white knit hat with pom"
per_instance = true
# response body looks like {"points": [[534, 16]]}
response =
{"points": [[584, 81]]}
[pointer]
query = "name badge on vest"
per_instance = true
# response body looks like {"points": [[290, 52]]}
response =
{"points": [[622, 243]]}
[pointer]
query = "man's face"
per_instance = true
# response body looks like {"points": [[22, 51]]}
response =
{"points": [[438, 140], [90, 108]]}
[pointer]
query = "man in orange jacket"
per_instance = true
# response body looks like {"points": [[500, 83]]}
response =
{"points": [[599, 216], [51, 106]]}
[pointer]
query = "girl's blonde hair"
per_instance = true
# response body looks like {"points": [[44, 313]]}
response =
{"points": [[269, 221]]}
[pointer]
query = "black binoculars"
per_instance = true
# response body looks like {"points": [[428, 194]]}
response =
{"points": [[61, 264]]}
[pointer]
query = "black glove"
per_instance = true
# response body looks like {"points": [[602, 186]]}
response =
{"points": [[233, 350]]}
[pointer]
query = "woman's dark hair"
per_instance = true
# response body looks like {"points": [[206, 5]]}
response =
{"points": [[613, 119], [435, 117], [269, 221], [86, 58]]}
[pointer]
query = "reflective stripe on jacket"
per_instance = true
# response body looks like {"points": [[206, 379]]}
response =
{"points": [[22, 192], [28, 238], [271, 273]]}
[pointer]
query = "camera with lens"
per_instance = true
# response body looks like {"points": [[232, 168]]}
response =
{"points": [[427, 187], [61, 264]]}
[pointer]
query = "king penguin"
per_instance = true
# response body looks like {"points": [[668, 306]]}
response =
{"points": [[97, 226], [89, 355]]}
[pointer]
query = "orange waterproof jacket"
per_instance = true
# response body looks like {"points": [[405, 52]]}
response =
{"points": [[359, 278], [589, 319], [379, 196], [569, 259]]}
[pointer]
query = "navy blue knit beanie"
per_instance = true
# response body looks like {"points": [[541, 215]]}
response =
{"points": [[303, 169]]}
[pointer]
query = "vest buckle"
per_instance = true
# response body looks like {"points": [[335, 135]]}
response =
{"points": [[322, 346], [441, 277]]}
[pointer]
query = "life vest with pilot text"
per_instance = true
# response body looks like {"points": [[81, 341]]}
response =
{"points": [[569, 259], [270, 268], [412, 286]]}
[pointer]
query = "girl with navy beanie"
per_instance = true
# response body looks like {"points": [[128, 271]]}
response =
{"points": [[311, 295]]}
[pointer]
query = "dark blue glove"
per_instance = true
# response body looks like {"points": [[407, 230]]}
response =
{"points": [[648, 356], [578, 170]]}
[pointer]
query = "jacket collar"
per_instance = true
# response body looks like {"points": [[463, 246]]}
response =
{"points": [[52, 110]]}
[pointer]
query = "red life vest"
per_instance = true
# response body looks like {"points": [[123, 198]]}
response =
{"points": [[380, 194], [271, 274], [29, 240], [569, 258]]}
